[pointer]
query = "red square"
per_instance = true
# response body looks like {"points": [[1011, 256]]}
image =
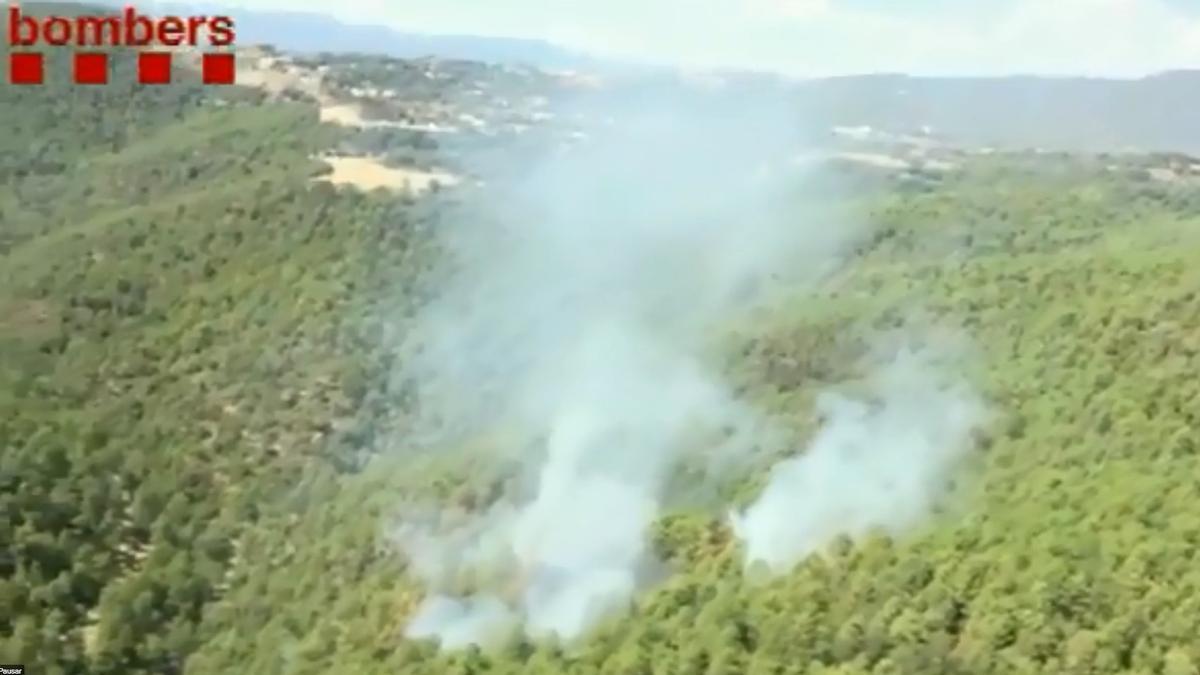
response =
{"points": [[219, 68], [154, 68], [91, 68], [25, 68]]}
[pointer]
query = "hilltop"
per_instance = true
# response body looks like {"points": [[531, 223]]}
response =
{"points": [[913, 127], [1156, 113]]}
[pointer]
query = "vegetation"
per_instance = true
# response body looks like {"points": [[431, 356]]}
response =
{"points": [[178, 344], [192, 399]]}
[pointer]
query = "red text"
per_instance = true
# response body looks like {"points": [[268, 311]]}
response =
{"points": [[128, 29]]}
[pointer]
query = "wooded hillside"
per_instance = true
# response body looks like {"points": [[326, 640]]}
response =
{"points": [[194, 390]]}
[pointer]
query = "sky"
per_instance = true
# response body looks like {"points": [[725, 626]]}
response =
{"points": [[824, 37]]}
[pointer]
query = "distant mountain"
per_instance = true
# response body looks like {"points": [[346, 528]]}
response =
{"points": [[315, 33], [1160, 113], [309, 32]]}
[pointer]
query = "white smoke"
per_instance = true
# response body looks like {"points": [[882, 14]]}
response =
{"points": [[874, 465], [458, 623], [577, 314]]}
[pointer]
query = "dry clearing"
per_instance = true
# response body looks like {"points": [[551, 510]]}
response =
{"points": [[369, 173]]}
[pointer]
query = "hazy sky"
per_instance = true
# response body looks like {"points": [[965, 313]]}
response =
{"points": [[825, 36]]}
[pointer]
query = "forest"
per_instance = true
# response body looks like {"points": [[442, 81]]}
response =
{"points": [[197, 428]]}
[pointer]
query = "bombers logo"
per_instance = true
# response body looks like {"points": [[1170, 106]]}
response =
{"points": [[153, 39]]}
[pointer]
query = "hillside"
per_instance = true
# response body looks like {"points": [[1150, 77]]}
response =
{"points": [[1155, 113], [207, 431], [166, 266], [1151, 114]]}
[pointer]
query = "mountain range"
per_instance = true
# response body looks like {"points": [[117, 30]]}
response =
{"points": [[1155, 113]]}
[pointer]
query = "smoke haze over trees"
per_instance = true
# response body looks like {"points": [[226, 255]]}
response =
{"points": [[772, 418]]}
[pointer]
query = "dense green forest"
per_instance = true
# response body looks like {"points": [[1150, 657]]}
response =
{"points": [[179, 348], [193, 394]]}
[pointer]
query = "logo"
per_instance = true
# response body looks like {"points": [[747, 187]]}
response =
{"points": [[93, 39]]}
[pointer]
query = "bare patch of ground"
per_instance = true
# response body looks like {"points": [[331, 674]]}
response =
{"points": [[369, 173], [1163, 175], [341, 114], [350, 115], [27, 318]]}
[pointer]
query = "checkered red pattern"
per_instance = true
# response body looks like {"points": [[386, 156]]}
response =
{"points": [[153, 68]]}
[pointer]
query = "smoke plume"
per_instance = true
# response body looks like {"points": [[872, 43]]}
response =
{"points": [[876, 465], [575, 317]]}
